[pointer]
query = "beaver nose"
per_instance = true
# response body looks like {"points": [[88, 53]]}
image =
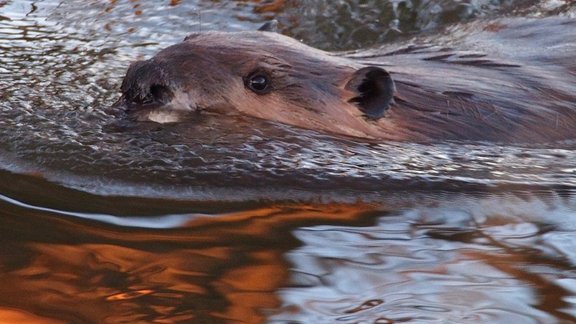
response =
{"points": [[156, 95], [146, 84]]}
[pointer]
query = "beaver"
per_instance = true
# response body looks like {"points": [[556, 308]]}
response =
{"points": [[510, 79]]}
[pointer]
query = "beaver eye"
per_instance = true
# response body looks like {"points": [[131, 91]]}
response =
{"points": [[258, 83]]}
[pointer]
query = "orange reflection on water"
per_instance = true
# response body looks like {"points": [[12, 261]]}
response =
{"points": [[218, 267], [10, 316]]}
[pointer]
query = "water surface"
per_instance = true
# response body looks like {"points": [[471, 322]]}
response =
{"points": [[248, 221]]}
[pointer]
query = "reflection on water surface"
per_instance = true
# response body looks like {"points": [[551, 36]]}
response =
{"points": [[248, 221], [451, 258]]}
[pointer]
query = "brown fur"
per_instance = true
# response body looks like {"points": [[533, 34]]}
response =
{"points": [[511, 80]]}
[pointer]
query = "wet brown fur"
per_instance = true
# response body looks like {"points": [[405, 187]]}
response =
{"points": [[510, 80]]}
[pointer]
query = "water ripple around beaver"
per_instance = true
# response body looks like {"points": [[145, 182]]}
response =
{"points": [[64, 134]]}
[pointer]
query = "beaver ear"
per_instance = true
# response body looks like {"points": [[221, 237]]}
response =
{"points": [[270, 26], [374, 90]]}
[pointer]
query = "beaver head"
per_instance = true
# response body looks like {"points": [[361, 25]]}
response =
{"points": [[260, 74], [480, 93]]}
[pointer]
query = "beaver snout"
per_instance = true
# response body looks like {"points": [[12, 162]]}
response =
{"points": [[157, 95], [148, 94], [146, 86]]}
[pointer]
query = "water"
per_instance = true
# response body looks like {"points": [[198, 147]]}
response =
{"points": [[247, 221]]}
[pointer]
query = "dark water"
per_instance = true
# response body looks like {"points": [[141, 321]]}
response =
{"points": [[247, 221]]}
